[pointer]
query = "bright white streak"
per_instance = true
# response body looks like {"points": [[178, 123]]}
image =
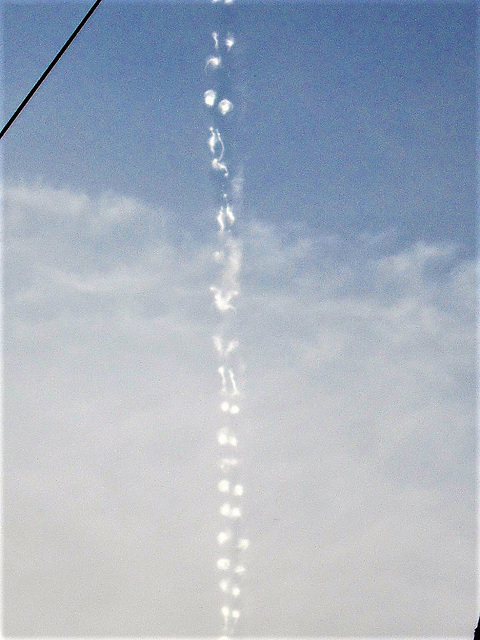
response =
{"points": [[225, 510], [233, 383], [224, 584], [216, 138], [222, 300], [224, 486], [223, 537], [222, 436], [220, 166], [221, 220], [221, 371], [214, 62], [229, 212], [226, 614], [243, 544], [220, 142], [229, 256], [210, 96], [223, 564], [225, 213], [224, 106], [212, 141]]}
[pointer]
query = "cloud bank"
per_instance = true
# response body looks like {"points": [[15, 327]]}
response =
{"points": [[358, 434]]}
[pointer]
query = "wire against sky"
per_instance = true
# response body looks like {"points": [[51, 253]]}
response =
{"points": [[230, 539], [32, 91]]}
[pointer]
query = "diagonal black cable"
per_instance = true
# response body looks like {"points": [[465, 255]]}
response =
{"points": [[48, 69]]}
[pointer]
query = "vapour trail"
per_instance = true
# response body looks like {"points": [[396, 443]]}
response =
{"points": [[231, 541]]}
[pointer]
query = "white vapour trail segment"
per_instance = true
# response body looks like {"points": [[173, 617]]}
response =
{"points": [[231, 541]]}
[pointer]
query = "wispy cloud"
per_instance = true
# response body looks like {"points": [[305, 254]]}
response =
{"points": [[357, 436]]}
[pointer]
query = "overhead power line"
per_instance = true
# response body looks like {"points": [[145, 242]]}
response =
{"points": [[48, 69]]}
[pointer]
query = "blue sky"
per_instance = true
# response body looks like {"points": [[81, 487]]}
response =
{"points": [[369, 110], [353, 138]]}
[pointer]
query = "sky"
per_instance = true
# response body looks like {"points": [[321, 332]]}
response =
{"points": [[354, 149]]}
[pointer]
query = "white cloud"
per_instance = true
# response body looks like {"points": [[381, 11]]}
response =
{"points": [[357, 428]]}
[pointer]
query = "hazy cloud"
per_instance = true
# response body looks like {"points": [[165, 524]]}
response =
{"points": [[358, 430]]}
